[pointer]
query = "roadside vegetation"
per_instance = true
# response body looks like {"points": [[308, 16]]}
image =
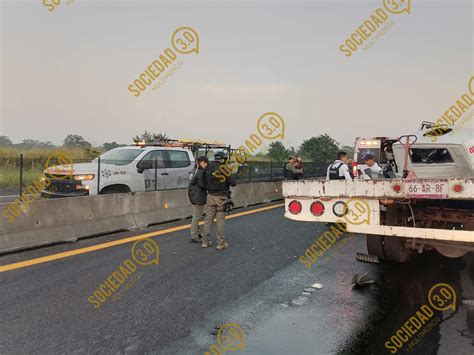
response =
{"points": [[320, 149]]}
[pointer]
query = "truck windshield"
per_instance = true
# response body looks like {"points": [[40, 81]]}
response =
{"points": [[120, 156], [364, 151]]}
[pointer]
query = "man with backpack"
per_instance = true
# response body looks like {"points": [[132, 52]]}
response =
{"points": [[339, 170], [197, 196], [218, 189]]}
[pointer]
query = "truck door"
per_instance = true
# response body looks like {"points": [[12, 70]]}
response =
{"points": [[155, 158], [179, 168]]}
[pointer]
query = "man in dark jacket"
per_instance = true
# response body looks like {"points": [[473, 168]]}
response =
{"points": [[197, 196], [218, 187]]}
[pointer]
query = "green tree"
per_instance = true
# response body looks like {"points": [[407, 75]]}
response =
{"points": [[5, 141], [112, 145], [33, 143], [349, 150], [149, 137], [92, 153], [320, 149], [277, 151], [292, 152], [74, 140]]}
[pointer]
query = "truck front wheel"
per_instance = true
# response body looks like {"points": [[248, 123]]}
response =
{"points": [[395, 251], [114, 189], [388, 248]]}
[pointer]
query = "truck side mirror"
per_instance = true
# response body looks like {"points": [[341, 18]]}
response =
{"points": [[144, 165]]}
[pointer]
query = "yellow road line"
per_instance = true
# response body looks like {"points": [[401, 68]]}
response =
{"points": [[67, 254]]}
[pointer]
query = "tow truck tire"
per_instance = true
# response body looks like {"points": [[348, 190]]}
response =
{"points": [[395, 251], [375, 245]]}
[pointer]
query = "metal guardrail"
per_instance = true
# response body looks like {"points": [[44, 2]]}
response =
{"points": [[18, 173]]}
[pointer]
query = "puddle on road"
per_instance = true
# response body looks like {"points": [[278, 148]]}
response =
{"points": [[404, 289]]}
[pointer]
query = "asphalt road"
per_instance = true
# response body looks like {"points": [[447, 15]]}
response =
{"points": [[174, 307]]}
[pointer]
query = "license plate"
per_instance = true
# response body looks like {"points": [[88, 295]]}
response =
{"points": [[427, 189]]}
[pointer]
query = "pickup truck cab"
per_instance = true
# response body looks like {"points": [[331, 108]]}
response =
{"points": [[123, 169]]}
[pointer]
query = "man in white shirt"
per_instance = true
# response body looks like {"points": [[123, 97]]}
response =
{"points": [[371, 169], [339, 170]]}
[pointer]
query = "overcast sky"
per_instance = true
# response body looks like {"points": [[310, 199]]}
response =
{"points": [[67, 71]]}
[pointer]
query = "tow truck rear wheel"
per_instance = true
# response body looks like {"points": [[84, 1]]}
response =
{"points": [[375, 245], [395, 251]]}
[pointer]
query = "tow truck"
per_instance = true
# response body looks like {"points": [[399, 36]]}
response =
{"points": [[422, 200], [160, 165]]}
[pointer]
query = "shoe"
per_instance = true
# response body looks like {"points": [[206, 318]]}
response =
{"points": [[206, 244], [222, 246], [196, 240]]}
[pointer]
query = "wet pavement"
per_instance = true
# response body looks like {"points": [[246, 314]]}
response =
{"points": [[403, 289], [258, 283]]}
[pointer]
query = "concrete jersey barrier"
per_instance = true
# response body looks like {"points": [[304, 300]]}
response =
{"points": [[69, 219]]}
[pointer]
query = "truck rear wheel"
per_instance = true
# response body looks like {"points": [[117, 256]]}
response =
{"points": [[395, 251], [375, 245]]}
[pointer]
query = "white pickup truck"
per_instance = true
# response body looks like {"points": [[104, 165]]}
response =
{"points": [[432, 207], [129, 169]]}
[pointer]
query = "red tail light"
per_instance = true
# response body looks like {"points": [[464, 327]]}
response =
{"points": [[458, 188], [396, 188], [294, 207], [354, 169], [317, 208]]}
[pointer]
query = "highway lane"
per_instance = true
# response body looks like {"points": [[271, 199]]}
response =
{"points": [[258, 282], [45, 308]]}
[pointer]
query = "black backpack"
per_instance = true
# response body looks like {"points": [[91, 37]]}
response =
{"points": [[197, 196], [334, 172]]}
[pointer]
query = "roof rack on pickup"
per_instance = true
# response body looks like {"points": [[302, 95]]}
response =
{"points": [[193, 144]]}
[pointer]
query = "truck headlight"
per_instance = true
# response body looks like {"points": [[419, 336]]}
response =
{"points": [[84, 177]]}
